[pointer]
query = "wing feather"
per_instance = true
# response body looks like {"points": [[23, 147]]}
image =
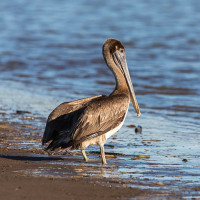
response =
{"points": [[64, 117], [100, 117], [94, 118]]}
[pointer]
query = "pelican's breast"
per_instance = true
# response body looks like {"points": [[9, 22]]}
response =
{"points": [[113, 131]]}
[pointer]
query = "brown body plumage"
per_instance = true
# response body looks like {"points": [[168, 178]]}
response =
{"points": [[78, 124]]}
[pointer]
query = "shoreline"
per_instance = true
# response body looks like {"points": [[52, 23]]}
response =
{"points": [[20, 185], [29, 172]]}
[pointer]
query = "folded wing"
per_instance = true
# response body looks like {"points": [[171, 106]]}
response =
{"points": [[95, 118]]}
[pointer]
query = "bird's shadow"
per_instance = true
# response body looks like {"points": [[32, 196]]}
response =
{"points": [[32, 157]]}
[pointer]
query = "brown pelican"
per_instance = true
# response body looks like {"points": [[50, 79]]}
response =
{"points": [[84, 122]]}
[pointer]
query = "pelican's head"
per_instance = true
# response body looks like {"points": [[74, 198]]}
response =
{"points": [[115, 57]]}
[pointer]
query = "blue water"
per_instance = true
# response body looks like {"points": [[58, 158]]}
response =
{"points": [[51, 51]]}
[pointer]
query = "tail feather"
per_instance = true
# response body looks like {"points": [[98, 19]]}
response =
{"points": [[47, 132], [61, 140], [60, 129]]}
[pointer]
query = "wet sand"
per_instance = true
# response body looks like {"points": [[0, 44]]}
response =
{"points": [[29, 172], [16, 184]]}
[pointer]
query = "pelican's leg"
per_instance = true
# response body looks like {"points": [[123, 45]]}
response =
{"points": [[84, 155], [103, 154]]}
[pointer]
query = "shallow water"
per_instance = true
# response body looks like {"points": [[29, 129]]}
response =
{"points": [[51, 52]]}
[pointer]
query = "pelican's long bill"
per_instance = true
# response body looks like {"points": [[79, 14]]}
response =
{"points": [[120, 60]]}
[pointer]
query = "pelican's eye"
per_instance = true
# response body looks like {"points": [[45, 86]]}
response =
{"points": [[122, 50]]}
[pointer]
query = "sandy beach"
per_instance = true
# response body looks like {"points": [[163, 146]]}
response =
{"points": [[28, 173], [17, 184]]}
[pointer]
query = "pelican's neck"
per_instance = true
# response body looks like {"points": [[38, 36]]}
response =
{"points": [[121, 85]]}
